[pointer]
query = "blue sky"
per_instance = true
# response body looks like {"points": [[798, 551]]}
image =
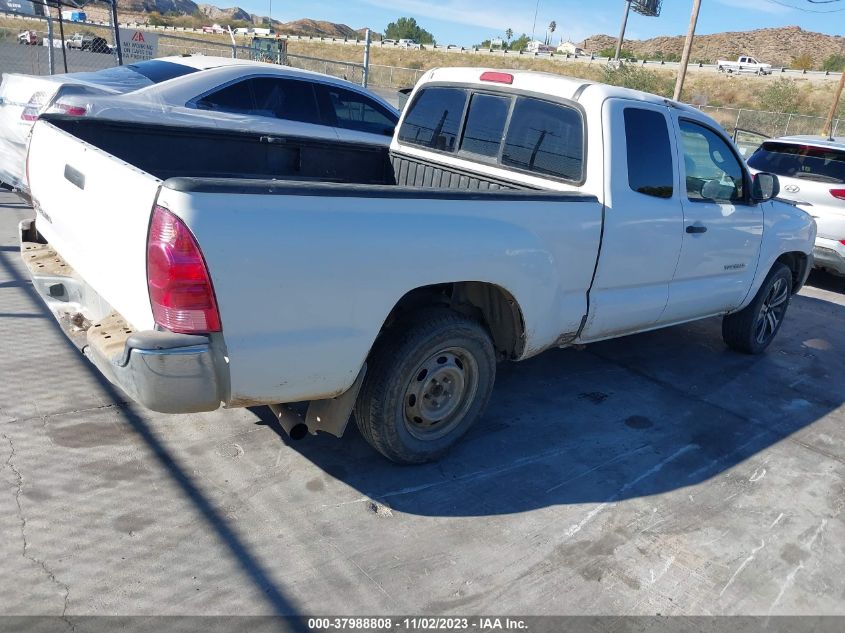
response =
{"points": [[471, 21]]}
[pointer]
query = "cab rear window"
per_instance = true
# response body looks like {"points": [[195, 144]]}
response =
{"points": [[434, 119], [545, 138], [514, 132], [821, 164]]}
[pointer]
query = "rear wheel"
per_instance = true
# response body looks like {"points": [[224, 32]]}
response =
{"points": [[752, 329], [428, 380]]}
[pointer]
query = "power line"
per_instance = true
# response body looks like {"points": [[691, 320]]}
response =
{"points": [[806, 10]]}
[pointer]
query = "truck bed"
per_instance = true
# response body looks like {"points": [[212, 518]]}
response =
{"points": [[309, 245], [169, 151]]}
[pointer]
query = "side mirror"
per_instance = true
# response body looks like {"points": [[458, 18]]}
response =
{"points": [[764, 187]]}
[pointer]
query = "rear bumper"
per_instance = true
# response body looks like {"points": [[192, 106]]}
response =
{"points": [[830, 255], [164, 371]]}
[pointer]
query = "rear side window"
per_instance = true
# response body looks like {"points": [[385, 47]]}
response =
{"points": [[433, 119], [485, 124], [545, 138], [355, 111], [286, 99], [649, 153], [821, 164]]}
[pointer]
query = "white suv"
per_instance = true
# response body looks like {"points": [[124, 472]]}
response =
{"points": [[811, 171]]}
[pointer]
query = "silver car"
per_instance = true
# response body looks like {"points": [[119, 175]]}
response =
{"points": [[811, 171]]}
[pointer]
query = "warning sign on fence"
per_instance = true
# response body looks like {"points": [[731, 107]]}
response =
{"points": [[138, 45]]}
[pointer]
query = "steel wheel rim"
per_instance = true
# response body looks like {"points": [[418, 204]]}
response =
{"points": [[771, 312], [440, 392]]}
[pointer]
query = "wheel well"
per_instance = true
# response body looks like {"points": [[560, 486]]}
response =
{"points": [[797, 264], [490, 304]]}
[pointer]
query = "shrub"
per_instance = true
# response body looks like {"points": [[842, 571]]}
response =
{"points": [[834, 63], [803, 62], [639, 79], [781, 95]]}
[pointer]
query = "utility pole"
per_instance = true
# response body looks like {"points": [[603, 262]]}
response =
{"points": [[622, 30], [837, 94], [534, 28], [682, 69], [828, 125]]}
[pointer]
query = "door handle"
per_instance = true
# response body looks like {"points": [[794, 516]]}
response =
{"points": [[696, 229]]}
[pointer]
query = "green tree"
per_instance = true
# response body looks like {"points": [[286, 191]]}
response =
{"points": [[509, 34], [408, 29], [835, 63], [552, 27], [610, 51], [782, 95], [520, 43]]}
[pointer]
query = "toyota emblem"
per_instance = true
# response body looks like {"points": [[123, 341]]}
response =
{"points": [[792, 188]]}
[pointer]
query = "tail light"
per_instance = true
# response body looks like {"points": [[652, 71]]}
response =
{"points": [[838, 193], [500, 78], [32, 109], [70, 110], [181, 293]]}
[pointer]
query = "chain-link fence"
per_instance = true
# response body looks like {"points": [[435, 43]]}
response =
{"points": [[393, 76], [770, 123], [343, 70], [33, 44]]}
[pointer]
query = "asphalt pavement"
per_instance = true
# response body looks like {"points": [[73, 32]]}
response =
{"points": [[659, 473]]}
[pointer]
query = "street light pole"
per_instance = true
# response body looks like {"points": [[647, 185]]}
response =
{"points": [[682, 69], [622, 30]]}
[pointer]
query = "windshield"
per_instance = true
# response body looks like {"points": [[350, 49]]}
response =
{"points": [[822, 164]]}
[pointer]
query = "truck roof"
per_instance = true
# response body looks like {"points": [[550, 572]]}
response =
{"points": [[544, 83]]}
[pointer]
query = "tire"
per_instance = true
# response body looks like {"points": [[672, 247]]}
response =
{"points": [[428, 380], [752, 329]]}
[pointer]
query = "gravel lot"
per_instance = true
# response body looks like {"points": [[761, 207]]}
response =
{"points": [[660, 473]]}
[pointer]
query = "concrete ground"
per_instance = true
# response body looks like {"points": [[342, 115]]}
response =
{"points": [[660, 473]]}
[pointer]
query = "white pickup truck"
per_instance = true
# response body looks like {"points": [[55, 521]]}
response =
{"points": [[744, 64], [514, 212]]}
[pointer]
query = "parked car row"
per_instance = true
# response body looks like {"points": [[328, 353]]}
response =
{"points": [[239, 235]]}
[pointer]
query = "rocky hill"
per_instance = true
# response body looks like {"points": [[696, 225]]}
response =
{"points": [[219, 16], [774, 46]]}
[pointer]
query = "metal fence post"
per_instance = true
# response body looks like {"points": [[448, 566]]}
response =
{"points": [[788, 120], [366, 59], [738, 113], [234, 44], [116, 33], [51, 53]]}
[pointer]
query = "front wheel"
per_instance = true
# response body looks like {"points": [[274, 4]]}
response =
{"points": [[752, 329], [428, 380]]}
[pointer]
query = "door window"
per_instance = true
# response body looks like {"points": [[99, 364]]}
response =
{"points": [[286, 99], [649, 153], [354, 111], [713, 173]]}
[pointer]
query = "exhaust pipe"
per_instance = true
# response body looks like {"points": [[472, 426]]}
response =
{"points": [[290, 421]]}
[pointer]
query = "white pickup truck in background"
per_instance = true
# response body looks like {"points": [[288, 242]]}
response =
{"points": [[744, 64], [514, 212]]}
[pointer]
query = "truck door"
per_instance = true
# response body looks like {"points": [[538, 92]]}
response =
{"points": [[722, 227], [643, 221]]}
